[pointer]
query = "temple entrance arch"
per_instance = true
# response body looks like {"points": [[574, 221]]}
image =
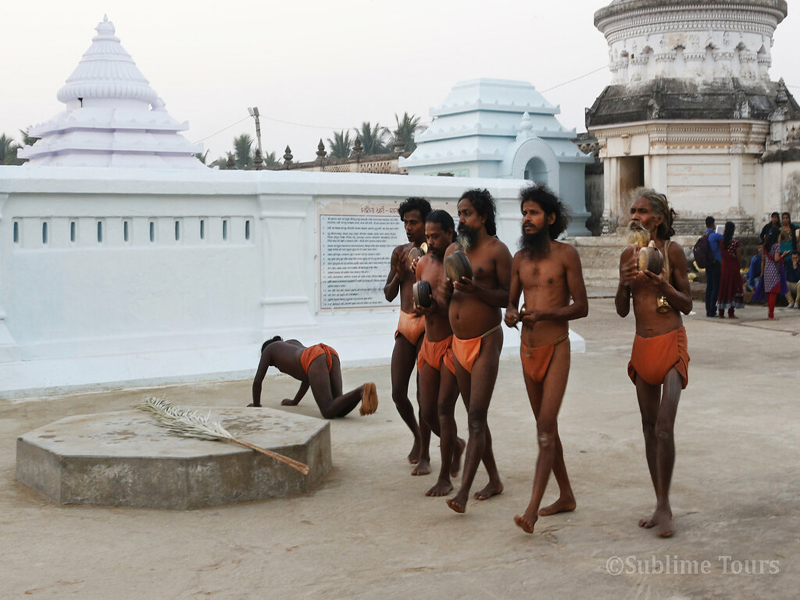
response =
{"points": [[536, 171], [534, 160]]}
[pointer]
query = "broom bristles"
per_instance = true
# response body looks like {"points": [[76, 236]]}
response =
{"points": [[189, 423]]}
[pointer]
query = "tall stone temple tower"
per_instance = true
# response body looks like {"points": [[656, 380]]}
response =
{"points": [[692, 111]]}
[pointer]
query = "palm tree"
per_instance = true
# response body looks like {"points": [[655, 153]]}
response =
{"points": [[406, 128], [372, 138], [8, 150], [341, 145], [243, 151], [221, 163], [202, 156], [271, 159]]}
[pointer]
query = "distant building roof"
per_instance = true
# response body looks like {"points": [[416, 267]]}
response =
{"points": [[113, 118], [482, 121], [686, 99]]}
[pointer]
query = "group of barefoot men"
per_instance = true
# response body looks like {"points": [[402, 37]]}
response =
{"points": [[456, 342]]}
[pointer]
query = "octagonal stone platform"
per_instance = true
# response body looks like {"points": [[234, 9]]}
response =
{"points": [[125, 458]]}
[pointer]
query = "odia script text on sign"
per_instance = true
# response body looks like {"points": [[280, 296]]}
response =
{"points": [[355, 251]]}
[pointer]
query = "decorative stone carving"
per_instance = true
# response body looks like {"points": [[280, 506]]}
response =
{"points": [[728, 28]]}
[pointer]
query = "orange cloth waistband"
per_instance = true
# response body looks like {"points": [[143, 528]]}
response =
{"points": [[410, 326], [468, 351], [536, 360], [653, 357], [312, 352], [436, 354]]}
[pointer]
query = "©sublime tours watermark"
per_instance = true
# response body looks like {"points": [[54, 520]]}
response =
{"points": [[673, 565]]}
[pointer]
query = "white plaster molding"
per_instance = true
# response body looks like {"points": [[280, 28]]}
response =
{"points": [[727, 29]]}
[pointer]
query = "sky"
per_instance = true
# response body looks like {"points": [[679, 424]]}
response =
{"points": [[313, 67]]}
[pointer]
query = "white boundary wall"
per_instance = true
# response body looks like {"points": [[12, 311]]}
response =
{"points": [[83, 307]]}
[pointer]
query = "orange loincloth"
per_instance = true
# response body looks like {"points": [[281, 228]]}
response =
{"points": [[436, 353], [653, 357], [312, 352], [410, 326], [536, 360], [468, 351]]}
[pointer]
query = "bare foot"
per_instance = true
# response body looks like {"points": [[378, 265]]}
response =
{"points": [[413, 456], [662, 519], [649, 522], [455, 466], [525, 523], [369, 399], [491, 489], [423, 467], [442, 488], [459, 508], [665, 525], [253, 405], [559, 506]]}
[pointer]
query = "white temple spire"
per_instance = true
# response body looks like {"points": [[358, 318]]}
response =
{"points": [[112, 118]]}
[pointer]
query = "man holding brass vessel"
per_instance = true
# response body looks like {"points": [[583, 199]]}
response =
{"points": [[410, 328], [478, 271], [659, 359], [438, 387]]}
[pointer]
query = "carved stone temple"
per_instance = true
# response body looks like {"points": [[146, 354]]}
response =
{"points": [[692, 111]]}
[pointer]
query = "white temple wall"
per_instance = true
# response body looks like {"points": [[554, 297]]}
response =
{"points": [[572, 190], [781, 191], [705, 169], [80, 312]]}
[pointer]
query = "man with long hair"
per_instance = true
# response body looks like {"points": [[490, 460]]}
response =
{"points": [[476, 319], [549, 274], [659, 365]]}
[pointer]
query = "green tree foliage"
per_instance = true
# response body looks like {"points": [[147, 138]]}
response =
{"points": [[341, 145], [373, 138], [406, 128], [271, 159], [243, 151], [8, 150]]}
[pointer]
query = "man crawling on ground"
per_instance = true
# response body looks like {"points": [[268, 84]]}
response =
{"points": [[317, 367]]}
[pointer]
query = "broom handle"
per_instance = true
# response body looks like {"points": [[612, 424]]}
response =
{"points": [[303, 468]]}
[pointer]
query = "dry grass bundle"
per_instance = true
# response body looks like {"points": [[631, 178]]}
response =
{"points": [[191, 424]]}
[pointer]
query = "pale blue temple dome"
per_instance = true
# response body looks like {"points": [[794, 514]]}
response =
{"points": [[503, 129]]}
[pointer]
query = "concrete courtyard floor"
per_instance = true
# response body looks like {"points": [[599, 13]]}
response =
{"points": [[369, 532]]}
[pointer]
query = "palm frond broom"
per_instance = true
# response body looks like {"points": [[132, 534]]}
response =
{"points": [[189, 423]]}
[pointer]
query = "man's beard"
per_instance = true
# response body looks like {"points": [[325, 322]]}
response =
{"points": [[467, 237], [536, 245], [637, 235]]}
